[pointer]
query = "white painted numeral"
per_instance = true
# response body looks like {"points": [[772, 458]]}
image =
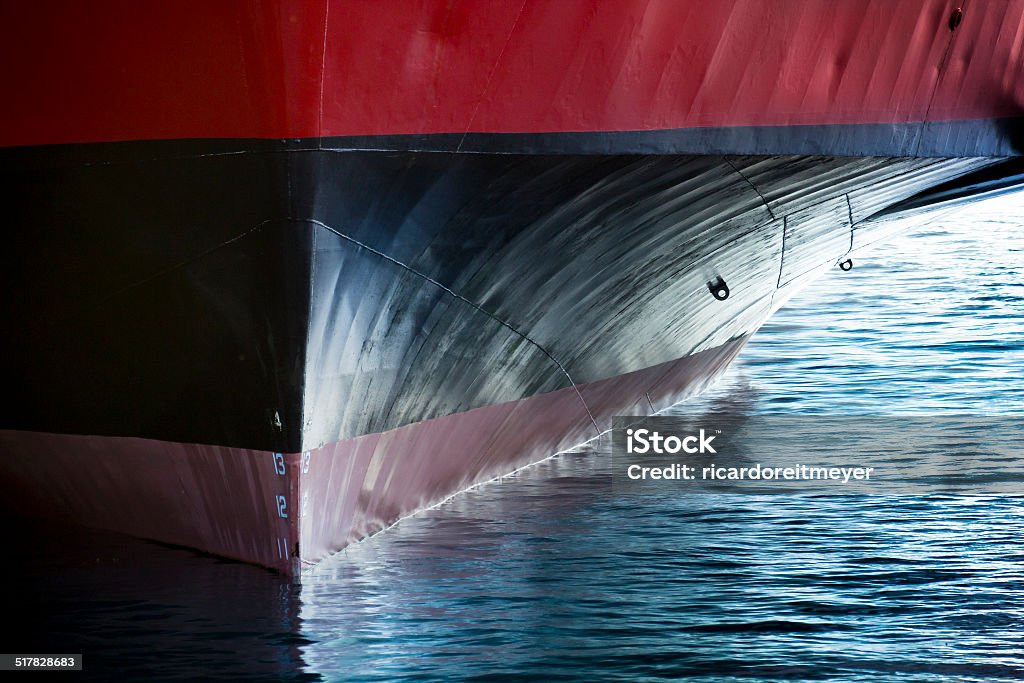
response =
{"points": [[279, 463], [305, 462], [282, 507]]}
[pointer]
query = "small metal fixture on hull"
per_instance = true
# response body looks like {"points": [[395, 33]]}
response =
{"points": [[718, 288]]}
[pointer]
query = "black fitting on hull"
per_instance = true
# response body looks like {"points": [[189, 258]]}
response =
{"points": [[718, 288]]}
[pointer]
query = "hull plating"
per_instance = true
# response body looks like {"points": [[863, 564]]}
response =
{"points": [[415, 323], [367, 258], [345, 68]]}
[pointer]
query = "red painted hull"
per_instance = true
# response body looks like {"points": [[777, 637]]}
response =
{"points": [[236, 69], [216, 499]]}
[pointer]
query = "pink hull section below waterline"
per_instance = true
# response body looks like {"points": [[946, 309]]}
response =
{"points": [[288, 511], [231, 502]]}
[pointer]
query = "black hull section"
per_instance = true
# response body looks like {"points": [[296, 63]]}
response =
{"points": [[280, 297], [163, 298], [976, 137]]}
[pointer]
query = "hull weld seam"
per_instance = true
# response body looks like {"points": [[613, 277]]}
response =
{"points": [[752, 186], [849, 210], [490, 77], [460, 297], [782, 254], [185, 263]]}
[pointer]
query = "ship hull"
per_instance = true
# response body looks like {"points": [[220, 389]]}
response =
{"points": [[277, 274], [270, 376], [864, 77], [286, 511]]}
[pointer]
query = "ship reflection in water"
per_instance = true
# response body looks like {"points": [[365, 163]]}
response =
{"points": [[553, 574]]}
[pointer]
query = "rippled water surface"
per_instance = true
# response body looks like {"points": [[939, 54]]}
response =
{"points": [[554, 574]]}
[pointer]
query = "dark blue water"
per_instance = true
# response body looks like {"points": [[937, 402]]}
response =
{"points": [[554, 574]]}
